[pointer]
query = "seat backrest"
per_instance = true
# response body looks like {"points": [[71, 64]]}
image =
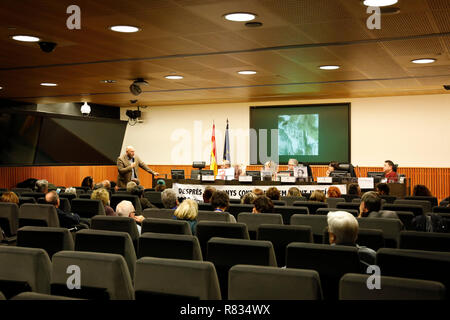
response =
{"points": [[317, 223], [324, 211], [415, 264], [23, 200], [391, 228], [290, 200], [170, 246], [87, 208], [331, 262], [235, 209], [107, 242], [225, 253], [208, 229], [268, 283], [426, 205], [51, 239], [38, 215], [347, 205], [114, 223], [281, 236], [253, 221], [441, 209], [279, 202], [166, 226], [68, 196], [35, 195], [205, 207], [154, 197], [114, 283], [24, 269], [431, 241], [389, 199], [433, 200], [288, 211], [39, 296], [158, 213], [354, 287], [9, 218], [311, 205], [19, 191], [332, 202], [213, 216], [406, 218], [64, 204], [117, 198], [416, 209], [371, 238], [176, 278]]}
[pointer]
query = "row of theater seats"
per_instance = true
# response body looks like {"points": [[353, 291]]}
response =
{"points": [[235, 269]]}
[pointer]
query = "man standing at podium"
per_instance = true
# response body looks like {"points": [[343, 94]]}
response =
{"points": [[127, 165]]}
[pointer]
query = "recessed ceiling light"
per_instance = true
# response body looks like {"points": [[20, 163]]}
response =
{"points": [[126, 29], [108, 81], [240, 16], [174, 77], [1, 88], [329, 67], [48, 84], [247, 72], [379, 3], [26, 38], [423, 61]]}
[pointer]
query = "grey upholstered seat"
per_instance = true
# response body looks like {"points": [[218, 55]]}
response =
{"points": [[158, 213], [9, 218], [317, 223], [166, 226], [39, 296], [173, 246], [253, 221], [431, 241], [38, 215], [391, 228], [103, 275], [269, 283], [173, 277], [115, 223]]}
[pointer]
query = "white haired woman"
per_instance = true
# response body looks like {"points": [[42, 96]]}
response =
{"points": [[188, 211]]}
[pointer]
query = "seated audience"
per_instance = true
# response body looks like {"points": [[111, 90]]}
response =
{"points": [[126, 209], [98, 186], [343, 230], [207, 194], [169, 199], [139, 192], [294, 192], [263, 204], [331, 167], [114, 187], [371, 207], [71, 190], [103, 195], [248, 198], [135, 180], [130, 186], [382, 189], [390, 171], [258, 192], [273, 193], [10, 197], [354, 189], [422, 191], [41, 186], [160, 185], [317, 195], [333, 192], [66, 219], [88, 183], [220, 201], [188, 211], [106, 184]]}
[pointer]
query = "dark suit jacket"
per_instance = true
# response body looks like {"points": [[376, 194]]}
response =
{"points": [[125, 170]]}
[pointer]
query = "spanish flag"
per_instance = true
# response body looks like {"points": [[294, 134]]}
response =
{"points": [[213, 165]]}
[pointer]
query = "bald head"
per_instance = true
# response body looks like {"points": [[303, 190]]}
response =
{"points": [[130, 151], [52, 198]]}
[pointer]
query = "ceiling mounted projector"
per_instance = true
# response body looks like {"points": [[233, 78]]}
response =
{"points": [[135, 87]]}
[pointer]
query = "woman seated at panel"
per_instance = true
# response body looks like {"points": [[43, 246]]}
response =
{"points": [[331, 167]]}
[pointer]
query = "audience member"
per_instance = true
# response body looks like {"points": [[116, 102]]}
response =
{"points": [[98, 186], [273, 193], [139, 192], [354, 189], [66, 219], [188, 211], [390, 171], [263, 204], [371, 207], [130, 186], [220, 201], [106, 184], [331, 167], [343, 230], [317, 195], [160, 185], [71, 190], [207, 194], [258, 192], [169, 199], [103, 195], [88, 183], [41, 186], [333, 192], [10, 197], [422, 191], [294, 192], [126, 209], [248, 198], [382, 189]]}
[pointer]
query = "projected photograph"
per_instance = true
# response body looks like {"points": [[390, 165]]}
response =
{"points": [[298, 134]]}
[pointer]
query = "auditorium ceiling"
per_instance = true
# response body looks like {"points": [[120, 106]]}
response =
{"points": [[191, 38]]}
